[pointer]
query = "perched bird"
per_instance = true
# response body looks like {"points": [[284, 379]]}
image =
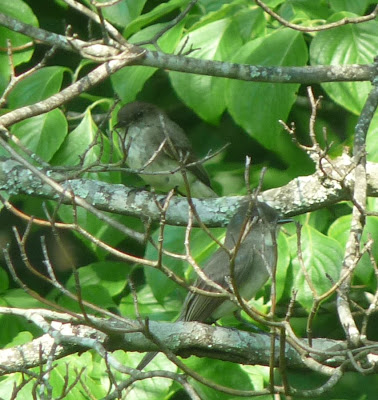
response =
{"points": [[253, 264], [155, 144]]}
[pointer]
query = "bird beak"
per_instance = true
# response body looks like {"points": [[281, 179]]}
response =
{"points": [[284, 221]]}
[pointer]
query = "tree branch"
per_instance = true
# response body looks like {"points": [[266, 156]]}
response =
{"points": [[306, 74], [301, 195], [195, 339]]}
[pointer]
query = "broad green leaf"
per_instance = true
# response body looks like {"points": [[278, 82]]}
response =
{"points": [[129, 81], [121, 13], [257, 107], [78, 143], [319, 219], [227, 10], [224, 373], [357, 7], [148, 307], [340, 229], [124, 12], [201, 247], [18, 298], [273, 3], [259, 376], [40, 85], [305, 13], [94, 294], [20, 339], [151, 389], [249, 19], [19, 10], [348, 44], [251, 23], [206, 94], [156, 13], [43, 134], [110, 275], [59, 378], [4, 280], [282, 265], [9, 382], [371, 140], [322, 256], [16, 327]]}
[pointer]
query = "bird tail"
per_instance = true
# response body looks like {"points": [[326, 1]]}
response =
{"points": [[202, 191], [146, 360]]}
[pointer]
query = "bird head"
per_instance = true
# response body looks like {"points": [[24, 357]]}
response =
{"points": [[133, 112]]}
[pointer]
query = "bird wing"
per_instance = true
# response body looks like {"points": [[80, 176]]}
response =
{"points": [[185, 150], [200, 307]]}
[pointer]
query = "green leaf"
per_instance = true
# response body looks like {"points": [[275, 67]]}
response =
{"points": [[16, 327], [60, 379], [257, 107], [43, 134], [305, 13], [371, 140], [124, 12], [4, 280], [357, 7], [274, 3], [156, 13], [319, 219], [282, 265], [79, 142], [20, 339], [224, 373], [94, 294], [86, 139], [251, 23], [340, 229], [110, 275], [201, 247], [19, 299], [348, 44], [206, 94], [149, 308], [322, 256], [8, 383], [249, 19], [21, 11], [151, 389], [129, 81], [40, 85]]}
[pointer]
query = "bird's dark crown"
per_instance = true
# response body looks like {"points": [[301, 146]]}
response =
{"points": [[134, 111]]}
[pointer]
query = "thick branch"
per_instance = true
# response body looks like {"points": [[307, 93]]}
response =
{"points": [[301, 195], [305, 74], [258, 73], [195, 339]]}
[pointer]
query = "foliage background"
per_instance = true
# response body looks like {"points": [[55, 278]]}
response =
{"points": [[213, 111]]}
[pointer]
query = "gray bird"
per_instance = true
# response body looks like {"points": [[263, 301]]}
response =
{"points": [[154, 143], [253, 265]]}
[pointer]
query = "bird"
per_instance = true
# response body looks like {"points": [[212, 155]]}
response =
{"points": [[154, 144], [254, 262]]}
